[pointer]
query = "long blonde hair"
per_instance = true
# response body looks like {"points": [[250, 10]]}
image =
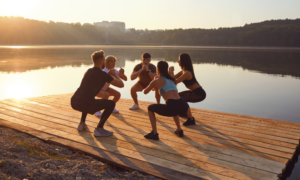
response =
{"points": [[109, 58]]}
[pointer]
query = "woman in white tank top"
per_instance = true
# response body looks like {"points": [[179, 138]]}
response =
{"points": [[106, 91]]}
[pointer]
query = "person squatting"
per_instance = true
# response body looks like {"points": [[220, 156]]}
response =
{"points": [[97, 80]]}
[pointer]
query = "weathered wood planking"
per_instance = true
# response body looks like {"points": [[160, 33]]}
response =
{"points": [[220, 146]]}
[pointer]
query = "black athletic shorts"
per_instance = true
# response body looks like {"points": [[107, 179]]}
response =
{"points": [[173, 107]]}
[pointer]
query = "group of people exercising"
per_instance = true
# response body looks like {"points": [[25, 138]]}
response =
{"points": [[161, 79]]}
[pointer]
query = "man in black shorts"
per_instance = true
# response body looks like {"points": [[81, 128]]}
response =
{"points": [[84, 100], [146, 72]]}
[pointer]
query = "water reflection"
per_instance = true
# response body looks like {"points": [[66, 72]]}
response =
{"points": [[269, 62]]}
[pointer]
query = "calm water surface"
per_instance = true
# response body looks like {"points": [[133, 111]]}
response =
{"points": [[256, 83]]}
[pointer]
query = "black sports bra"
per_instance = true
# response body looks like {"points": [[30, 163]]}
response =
{"points": [[189, 83]]}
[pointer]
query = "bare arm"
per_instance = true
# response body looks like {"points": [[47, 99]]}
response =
{"points": [[117, 81], [124, 77], [178, 75], [136, 74], [184, 76], [171, 73], [152, 75], [151, 86]]}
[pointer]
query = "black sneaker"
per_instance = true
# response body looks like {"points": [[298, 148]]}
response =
{"points": [[151, 135], [179, 133], [189, 122]]}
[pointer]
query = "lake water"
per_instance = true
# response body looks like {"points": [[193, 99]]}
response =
{"points": [[263, 83]]}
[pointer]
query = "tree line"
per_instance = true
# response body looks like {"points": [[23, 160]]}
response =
{"points": [[268, 62], [273, 33]]}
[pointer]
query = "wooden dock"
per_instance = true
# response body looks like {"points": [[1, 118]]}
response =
{"points": [[221, 145]]}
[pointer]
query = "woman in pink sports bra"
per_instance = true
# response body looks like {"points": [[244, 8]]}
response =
{"points": [[106, 91]]}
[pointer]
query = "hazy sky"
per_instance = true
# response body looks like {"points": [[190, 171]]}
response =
{"points": [[155, 14]]}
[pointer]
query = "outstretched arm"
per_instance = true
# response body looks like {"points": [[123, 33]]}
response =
{"points": [[184, 76], [171, 73], [178, 75], [150, 86]]}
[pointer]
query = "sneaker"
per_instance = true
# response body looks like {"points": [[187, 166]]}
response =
{"points": [[189, 122], [115, 111], [151, 135], [101, 132], [81, 127], [109, 132], [98, 114], [179, 133], [134, 106]]}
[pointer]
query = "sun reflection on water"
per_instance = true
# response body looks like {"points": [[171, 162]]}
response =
{"points": [[18, 89]]}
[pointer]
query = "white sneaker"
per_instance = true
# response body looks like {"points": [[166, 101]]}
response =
{"points": [[98, 114], [102, 132], [115, 111], [81, 127], [134, 106]]}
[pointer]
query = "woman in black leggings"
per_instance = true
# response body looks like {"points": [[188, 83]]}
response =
{"points": [[174, 104], [195, 93]]}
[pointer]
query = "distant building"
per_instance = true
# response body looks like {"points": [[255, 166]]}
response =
{"points": [[157, 30], [120, 25]]}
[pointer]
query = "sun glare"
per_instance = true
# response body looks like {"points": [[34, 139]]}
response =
{"points": [[18, 90], [17, 7]]}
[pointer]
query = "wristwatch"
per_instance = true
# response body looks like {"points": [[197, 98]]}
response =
{"points": [[149, 70]]}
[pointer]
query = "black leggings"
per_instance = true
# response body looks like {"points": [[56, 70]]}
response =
{"points": [[99, 104], [193, 96], [173, 107]]}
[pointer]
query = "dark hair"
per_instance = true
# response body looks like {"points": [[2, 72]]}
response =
{"points": [[146, 55], [96, 56], [186, 62], [163, 68]]}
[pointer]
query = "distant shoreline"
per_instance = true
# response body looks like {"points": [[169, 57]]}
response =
{"points": [[243, 48]]}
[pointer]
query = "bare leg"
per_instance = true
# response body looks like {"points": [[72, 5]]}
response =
{"points": [[176, 119], [153, 121], [157, 96], [135, 88], [189, 113], [103, 94], [116, 94]]}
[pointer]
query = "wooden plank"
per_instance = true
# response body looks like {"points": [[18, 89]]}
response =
{"points": [[196, 134], [247, 122], [236, 119], [202, 112], [119, 134], [103, 155], [207, 147], [211, 124], [286, 129], [96, 142], [242, 173], [253, 150], [278, 132], [217, 114]]}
